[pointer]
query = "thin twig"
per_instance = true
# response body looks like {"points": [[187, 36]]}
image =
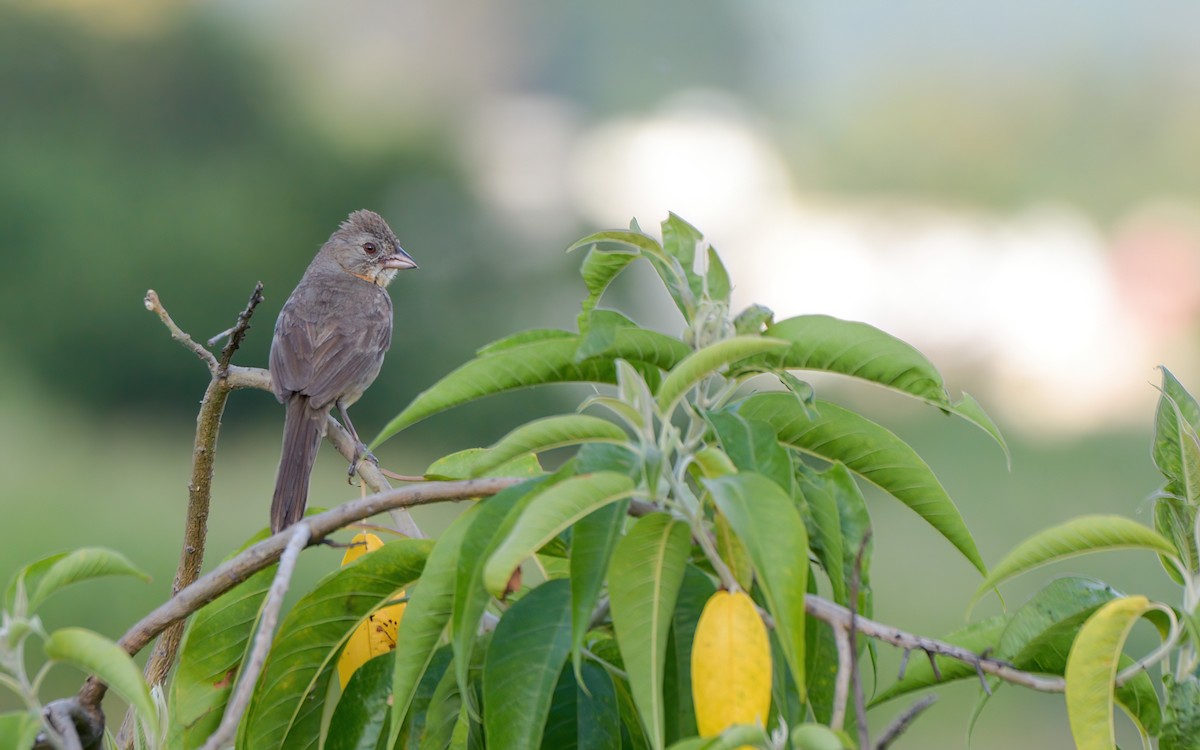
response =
{"points": [[839, 617], [902, 722], [262, 640], [841, 683], [154, 306], [204, 451], [238, 332]]}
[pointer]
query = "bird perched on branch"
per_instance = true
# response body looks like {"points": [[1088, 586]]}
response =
{"points": [[329, 343]]}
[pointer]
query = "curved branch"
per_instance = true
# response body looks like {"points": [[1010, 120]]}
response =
{"points": [[253, 559]]}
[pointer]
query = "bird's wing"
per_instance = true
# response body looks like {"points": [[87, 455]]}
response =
{"points": [[346, 361]]}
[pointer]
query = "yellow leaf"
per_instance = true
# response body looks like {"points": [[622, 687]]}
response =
{"points": [[731, 665], [1092, 670], [377, 633]]}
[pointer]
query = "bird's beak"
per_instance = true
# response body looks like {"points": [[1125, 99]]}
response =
{"points": [[399, 260]]}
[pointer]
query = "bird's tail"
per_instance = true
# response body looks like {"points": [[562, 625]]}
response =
{"points": [[302, 431]]}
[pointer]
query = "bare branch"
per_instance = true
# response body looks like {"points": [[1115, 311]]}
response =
{"points": [[839, 618], [253, 559], [154, 306], [262, 640], [238, 332], [902, 722], [841, 684]]}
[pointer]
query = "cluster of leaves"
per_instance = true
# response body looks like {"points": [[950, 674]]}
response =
{"points": [[1077, 627], [712, 467], [694, 481], [84, 649]]}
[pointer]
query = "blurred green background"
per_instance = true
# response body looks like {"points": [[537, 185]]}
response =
{"points": [[197, 148]]}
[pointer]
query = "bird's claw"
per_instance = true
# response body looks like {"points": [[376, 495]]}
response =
{"points": [[363, 455]]}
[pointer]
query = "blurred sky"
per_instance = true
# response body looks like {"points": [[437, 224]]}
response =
{"points": [[1011, 186]]}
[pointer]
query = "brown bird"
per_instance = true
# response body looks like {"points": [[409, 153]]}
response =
{"points": [[329, 343]]}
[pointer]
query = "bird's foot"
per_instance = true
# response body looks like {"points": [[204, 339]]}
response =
{"points": [[362, 454]]}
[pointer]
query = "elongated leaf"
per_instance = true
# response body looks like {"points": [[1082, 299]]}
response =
{"points": [[643, 583], [1175, 519], [680, 711], [821, 342], [492, 522], [871, 451], [753, 446], [18, 729], [460, 464], [707, 361], [918, 675], [288, 699], [97, 655], [542, 435], [1047, 623], [599, 268], [599, 331], [429, 607], [210, 655], [824, 524], [592, 542], [548, 513], [766, 520], [634, 240], [414, 724], [969, 409], [584, 715], [358, 721], [734, 738], [50, 574], [1176, 410], [537, 362], [528, 650], [1075, 537], [1092, 668]]}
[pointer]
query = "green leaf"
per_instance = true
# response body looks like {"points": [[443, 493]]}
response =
{"points": [[707, 361], [599, 268], [679, 710], [733, 552], [1181, 731], [460, 464], [752, 445], [1075, 537], [543, 435], [978, 637], [1177, 414], [717, 278], [634, 240], [19, 728], [210, 656], [537, 362], [528, 650], [97, 655], [753, 319], [359, 720], [871, 451], [1092, 668], [592, 543], [821, 342], [523, 337], [429, 608], [584, 715], [824, 524], [50, 574], [737, 736], [643, 583], [289, 697], [1042, 630], [548, 513], [766, 520], [969, 409], [815, 737], [599, 330], [1175, 519], [492, 522], [419, 709]]}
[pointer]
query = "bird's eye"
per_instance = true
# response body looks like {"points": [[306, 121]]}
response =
{"points": [[370, 248]]}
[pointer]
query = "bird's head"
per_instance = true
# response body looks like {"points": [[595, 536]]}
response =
{"points": [[365, 246]]}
